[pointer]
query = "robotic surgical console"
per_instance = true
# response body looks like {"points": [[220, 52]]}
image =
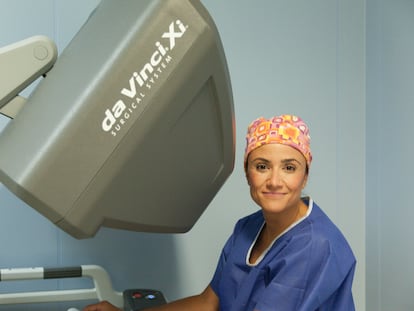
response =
{"points": [[140, 100]]}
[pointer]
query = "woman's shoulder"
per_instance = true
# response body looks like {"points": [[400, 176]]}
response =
{"points": [[250, 221], [326, 233], [255, 216], [247, 226], [322, 225]]}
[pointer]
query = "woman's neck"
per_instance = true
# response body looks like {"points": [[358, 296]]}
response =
{"points": [[276, 223]]}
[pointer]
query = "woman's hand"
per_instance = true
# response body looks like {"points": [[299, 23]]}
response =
{"points": [[101, 306]]}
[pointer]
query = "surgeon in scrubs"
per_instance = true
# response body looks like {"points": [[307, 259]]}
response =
{"points": [[286, 256]]}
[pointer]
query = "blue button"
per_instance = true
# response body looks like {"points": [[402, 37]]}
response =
{"points": [[150, 297]]}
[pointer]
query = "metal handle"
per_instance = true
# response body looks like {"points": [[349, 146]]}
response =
{"points": [[102, 291]]}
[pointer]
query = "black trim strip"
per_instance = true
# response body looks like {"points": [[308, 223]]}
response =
{"points": [[65, 272]]}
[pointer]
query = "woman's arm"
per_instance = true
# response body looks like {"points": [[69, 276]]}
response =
{"points": [[206, 301]]}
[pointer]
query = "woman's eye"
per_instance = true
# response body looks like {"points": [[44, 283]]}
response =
{"points": [[261, 167], [290, 168]]}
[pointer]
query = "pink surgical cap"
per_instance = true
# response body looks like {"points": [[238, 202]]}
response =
{"points": [[285, 129]]}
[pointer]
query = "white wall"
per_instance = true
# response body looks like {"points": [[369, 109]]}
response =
{"points": [[390, 97], [298, 56]]}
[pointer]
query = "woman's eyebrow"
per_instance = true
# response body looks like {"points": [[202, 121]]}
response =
{"points": [[291, 160], [260, 160], [284, 161]]}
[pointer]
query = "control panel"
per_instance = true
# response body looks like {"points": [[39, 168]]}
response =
{"points": [[140, 299]]}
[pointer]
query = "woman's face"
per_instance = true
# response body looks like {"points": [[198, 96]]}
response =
{"points": [[276, 174]]}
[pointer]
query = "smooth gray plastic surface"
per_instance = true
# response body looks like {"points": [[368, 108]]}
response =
{"points": [[133, 128]]}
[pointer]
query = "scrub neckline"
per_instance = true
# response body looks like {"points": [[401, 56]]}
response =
{"points": [[260, 258]]}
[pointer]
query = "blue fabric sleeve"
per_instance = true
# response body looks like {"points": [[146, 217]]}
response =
{"points": [[220, 266], [224, 255]]}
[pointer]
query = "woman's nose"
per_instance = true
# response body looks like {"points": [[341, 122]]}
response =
{"points": [[274, 179]]}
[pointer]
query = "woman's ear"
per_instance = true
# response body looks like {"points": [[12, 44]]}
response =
{"points": [[247, 177], [305, 181]]}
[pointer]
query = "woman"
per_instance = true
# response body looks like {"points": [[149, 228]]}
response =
{"points": [[286, 256]]}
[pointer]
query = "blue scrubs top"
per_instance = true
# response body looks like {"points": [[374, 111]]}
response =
{"points": [[309, 267]]}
